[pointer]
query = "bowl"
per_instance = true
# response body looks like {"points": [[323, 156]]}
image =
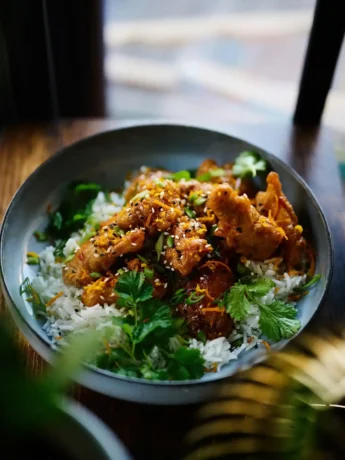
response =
{"points": [[105, 158], [73, 434]]}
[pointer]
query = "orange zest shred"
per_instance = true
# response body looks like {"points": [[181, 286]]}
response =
{"points": [[250, 339], [107, 346], [215, 309], [211, 264], [199, 290], [162, 205], [52, 300], [32, 254], [267, 345]]}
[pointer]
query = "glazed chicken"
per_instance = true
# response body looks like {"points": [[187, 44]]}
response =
{"points": [[274, 203], [101, 252], [190, 246], [211, 281], [156, 208], [244, 229]]}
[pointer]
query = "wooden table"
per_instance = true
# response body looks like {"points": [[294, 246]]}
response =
{"points": [[156, 432]]}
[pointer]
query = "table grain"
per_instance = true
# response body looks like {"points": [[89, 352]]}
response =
{"points": [[150, 431]]}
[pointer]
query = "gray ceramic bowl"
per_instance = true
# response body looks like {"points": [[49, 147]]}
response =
{"points": [[106, 158], [83, 436]]}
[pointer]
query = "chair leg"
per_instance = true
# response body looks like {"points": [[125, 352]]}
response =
{"points": [[325, 41]]}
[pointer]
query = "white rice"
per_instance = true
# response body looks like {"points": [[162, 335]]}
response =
{"points": [[68, 314]]}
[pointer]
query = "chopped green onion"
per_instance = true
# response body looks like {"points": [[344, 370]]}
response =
{"points": [[140, 195], [90, 186], [199, 201], [310, 283], [194, 298], [193, 197], [69, 258], [149, 273], [87, 236], [178, 296], [33, 260], [170, 241], [159, 245], [95, 275], [40, 236], [118, 231], [184, 174], [78, 217], [219, 172], [190, 213], [120, 271], [160, 182], [142, 259], [159, 269]]}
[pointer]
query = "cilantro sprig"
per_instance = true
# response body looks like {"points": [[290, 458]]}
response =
{"points": [[148, 325], [277, 319], [247, 165]]}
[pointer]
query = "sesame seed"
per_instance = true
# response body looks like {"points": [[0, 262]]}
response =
{"points": [[96, 255], [101, 297], [134, 244], [202, 278], [166, 233], [165, 262], [112, 294], [165, 285], [153, 210], [66, 268], [157, 280], [172, 269]]}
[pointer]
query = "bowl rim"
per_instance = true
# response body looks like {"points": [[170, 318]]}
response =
{"points": [[217, 377], [79, 418]]}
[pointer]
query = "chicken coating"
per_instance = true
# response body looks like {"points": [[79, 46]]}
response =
{"points": [[274, 203], [244, 229], [100, 292], [156, 208], [100, 253], [190, 246], [143, 180]]}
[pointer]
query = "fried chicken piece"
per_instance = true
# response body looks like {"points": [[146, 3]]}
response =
{"points": [[100, 253], [213, 279], [100, 292], [140, 182], [190, 246], [274, 203], [245, 230], [156, 208]]}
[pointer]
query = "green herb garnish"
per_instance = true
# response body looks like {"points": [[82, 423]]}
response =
{"points": [[194, 298], [32, 258], [184, 174], [219, 172], [32, 297], [159, 246], [315, 279], [96, 275], [200, 200], [148, 327], [277, 319], [40, 236], [170, 241], [69, 258], [247, 164], [149, 273], [140, 196], [190, 213]]}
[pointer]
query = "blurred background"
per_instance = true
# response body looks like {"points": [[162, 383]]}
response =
{"points": [[230, 60]]}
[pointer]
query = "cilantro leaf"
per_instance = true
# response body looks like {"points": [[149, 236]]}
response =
{"points": [[247, 164], [260, 286], [236, 302], [186, 363], [132, 288], [160, 320], [277, 320]]}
